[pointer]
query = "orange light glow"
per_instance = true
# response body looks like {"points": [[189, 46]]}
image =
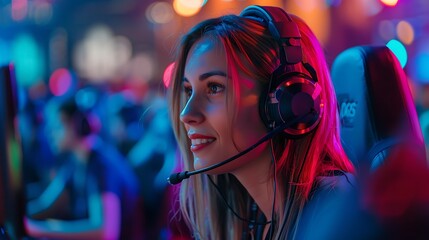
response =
{"points": [[187, 8], [405, 32], [390, 3]]}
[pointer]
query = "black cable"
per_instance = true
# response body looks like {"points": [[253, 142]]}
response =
{"points": [[273, 159], [231, 209]]}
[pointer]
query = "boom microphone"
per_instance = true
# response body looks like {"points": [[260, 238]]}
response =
{"points": [[176, 178]]}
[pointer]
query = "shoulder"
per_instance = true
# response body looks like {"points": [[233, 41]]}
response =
{"points": [[330, 196], [335, 181], [330, 188]]}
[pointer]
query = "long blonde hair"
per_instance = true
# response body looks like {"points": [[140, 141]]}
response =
{"points": [[252, 50]]}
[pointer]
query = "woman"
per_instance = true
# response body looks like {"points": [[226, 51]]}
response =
{"points": [[225, 71]]}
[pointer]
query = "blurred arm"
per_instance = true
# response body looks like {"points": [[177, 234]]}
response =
{"points": [[104, 211]]}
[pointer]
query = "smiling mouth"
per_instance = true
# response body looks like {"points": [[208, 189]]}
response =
{"points": [[200, 143]]}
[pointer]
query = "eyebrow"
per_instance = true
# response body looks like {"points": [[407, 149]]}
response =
{"points": [[206, 75]]}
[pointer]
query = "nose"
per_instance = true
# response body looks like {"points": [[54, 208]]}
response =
{"points": [[191, 113]]}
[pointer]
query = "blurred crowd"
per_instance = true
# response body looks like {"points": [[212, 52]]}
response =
{"points": [[96, 159]]}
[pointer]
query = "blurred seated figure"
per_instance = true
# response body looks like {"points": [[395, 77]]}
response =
{"points": [[123, 125], [93, 191], [38, 158], [153, 158]]}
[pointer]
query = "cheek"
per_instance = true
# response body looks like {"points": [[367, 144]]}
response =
{"points": [[249, 127], [218, 115]]}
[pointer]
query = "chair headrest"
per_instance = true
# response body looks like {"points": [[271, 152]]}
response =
{"points": [[375, 104]]}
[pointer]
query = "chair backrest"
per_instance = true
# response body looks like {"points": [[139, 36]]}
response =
{"points": [[376, 107]]}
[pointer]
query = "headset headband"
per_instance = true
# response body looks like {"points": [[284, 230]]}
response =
{"points": [[282, 28]]}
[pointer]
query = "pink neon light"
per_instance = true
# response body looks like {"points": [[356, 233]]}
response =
{"points": [[19, 9]]}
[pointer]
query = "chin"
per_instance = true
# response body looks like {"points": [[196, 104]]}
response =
{"points": [[219, 170], [199, 164]]}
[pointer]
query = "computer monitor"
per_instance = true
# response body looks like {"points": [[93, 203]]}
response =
{"points": [[12, 200]]}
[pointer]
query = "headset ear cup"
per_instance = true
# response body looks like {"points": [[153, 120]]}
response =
{"points": [[289, 96], [297, 96]]}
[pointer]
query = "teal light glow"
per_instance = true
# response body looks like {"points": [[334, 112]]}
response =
{"points": [[28, 59], [5, 54], [421, 65], [86, 98], [399, 50]]}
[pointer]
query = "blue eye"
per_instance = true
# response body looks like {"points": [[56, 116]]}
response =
{"points": [[215, 88]]}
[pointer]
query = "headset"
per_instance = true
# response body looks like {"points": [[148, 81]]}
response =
{"points": [[289, 103], [289, 94]]}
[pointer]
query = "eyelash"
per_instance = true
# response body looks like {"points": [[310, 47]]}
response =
{"points": [[217, 85], [188, 91], [210, 85]]}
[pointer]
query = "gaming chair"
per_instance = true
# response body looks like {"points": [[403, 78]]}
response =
{"points": [[375, 104]]}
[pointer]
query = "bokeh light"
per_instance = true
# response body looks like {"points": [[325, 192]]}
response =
{"points": [[28, 59], [390, 3], [168, 74], [5, 54], [192, 3], [421, 63], [187, 8], [405, 32], [86, 98], [386, 30], [142, 67], [159, 12], [399, 50], [101, 55], [19, 9], [60, 82]]}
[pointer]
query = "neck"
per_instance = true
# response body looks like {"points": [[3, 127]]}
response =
{"points": [[257, 177]]}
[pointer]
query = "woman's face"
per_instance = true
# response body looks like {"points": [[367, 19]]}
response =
{"points": [[208, 113]]}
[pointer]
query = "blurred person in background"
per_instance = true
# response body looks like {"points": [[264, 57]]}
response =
{"points": [[123, 126], [153, 158], [37, 155], [93, 191]]}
